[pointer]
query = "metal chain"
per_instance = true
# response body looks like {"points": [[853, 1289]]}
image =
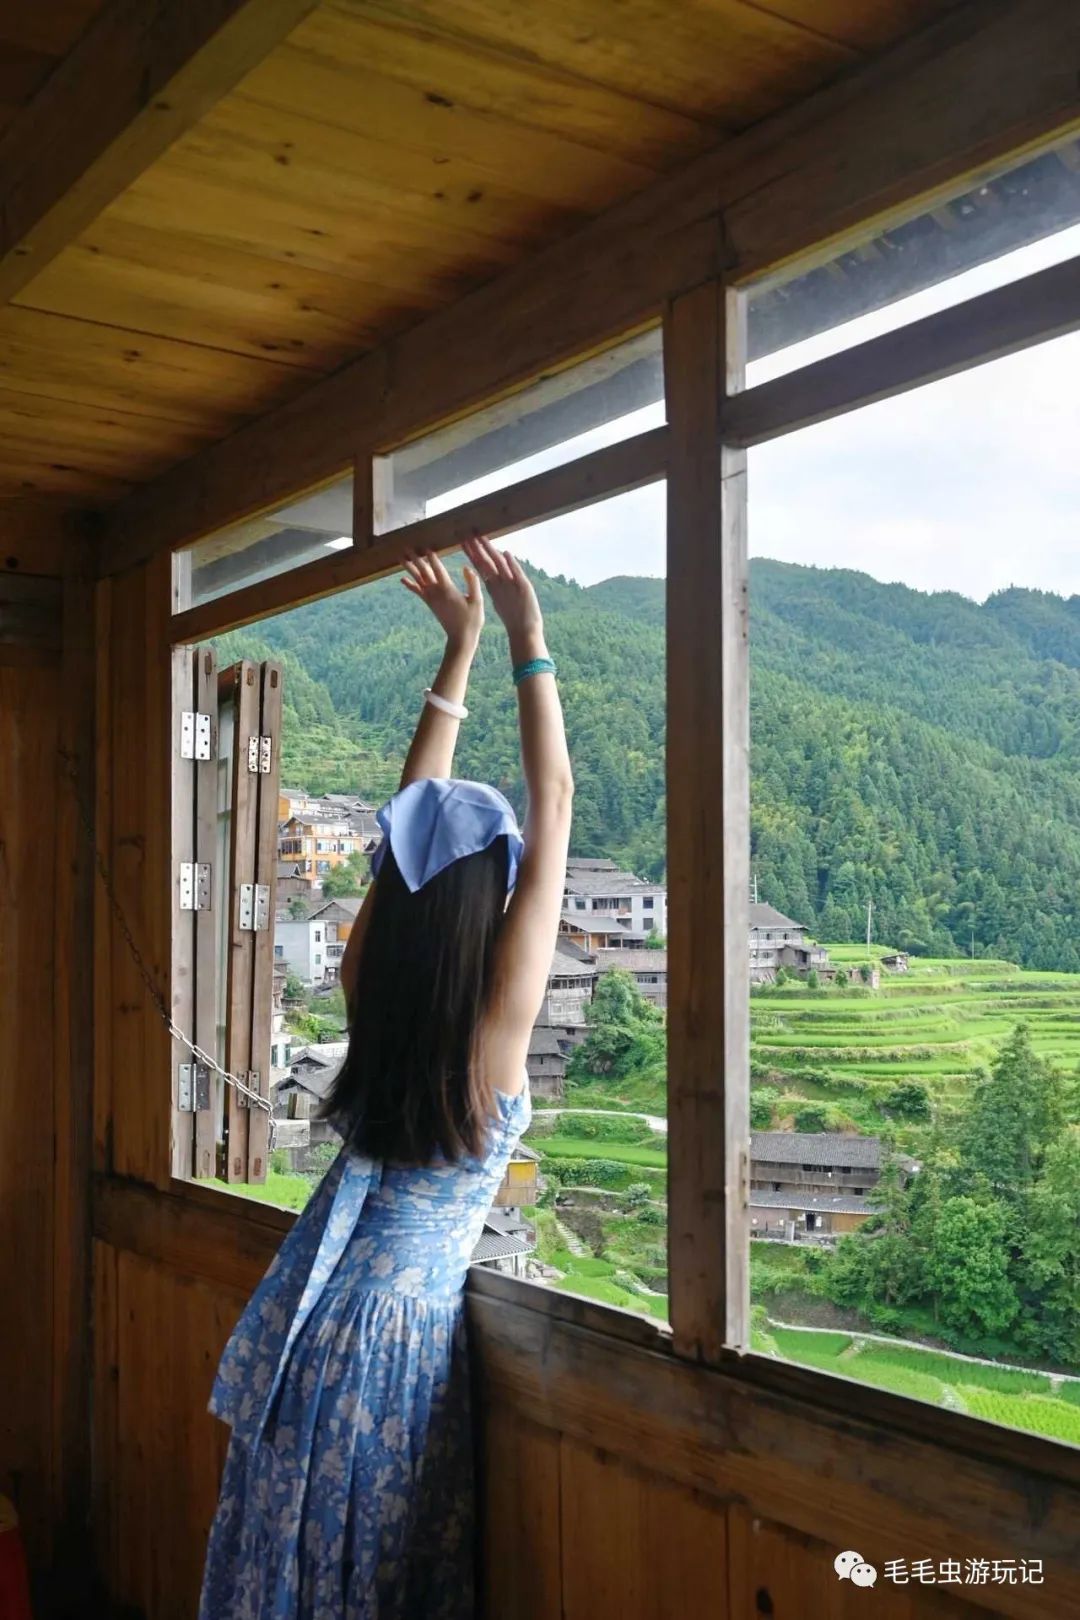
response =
{"points": [[255, 1098]]}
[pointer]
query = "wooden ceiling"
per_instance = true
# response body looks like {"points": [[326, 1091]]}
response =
{"points": [[380, 161]]}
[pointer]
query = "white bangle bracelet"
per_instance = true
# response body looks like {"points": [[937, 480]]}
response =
{"points": [[456, 711]]}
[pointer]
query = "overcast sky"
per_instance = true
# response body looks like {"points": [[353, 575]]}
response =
{"points": [[970, 484]]}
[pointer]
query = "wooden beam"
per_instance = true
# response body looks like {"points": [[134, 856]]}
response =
{"points": [[138, 78], [833, 1460], [923, 131], [708, 820], [224, 1238], [611, 471], [907, 125], [1042, 306], [73, 1075]]}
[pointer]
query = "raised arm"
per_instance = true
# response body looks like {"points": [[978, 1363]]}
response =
{"points": [[527, 939], [461, 614], [431, 753]]}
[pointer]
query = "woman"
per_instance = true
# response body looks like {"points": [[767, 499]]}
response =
{"points": [[348, 1492]]}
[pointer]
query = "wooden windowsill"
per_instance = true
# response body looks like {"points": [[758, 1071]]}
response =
{"points": [[205, 1231]]}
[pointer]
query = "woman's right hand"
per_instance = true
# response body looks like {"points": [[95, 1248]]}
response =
{"points": [[512, 597]]}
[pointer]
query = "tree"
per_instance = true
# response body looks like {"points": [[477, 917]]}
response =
{"points": [[909, 1099], [297, 908], [841, 979], [1051, 1253], [763, 1100], [626, 1033], [967, 1270], [812, 980], [1016, 1112], [811, 1117], [347, 880]]}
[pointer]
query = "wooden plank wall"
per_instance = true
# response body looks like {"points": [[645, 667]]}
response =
{"points": [[616, 1480], [29, 731], [46, 742]]}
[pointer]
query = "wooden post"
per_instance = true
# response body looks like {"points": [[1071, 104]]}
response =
{"points": [[708, 833], [182, 994], [207, 924], [241, 941], [265, 872]]}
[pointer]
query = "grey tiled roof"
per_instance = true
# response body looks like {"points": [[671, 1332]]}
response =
{"points": [[816, 1148], [838, 1203], [543, 1042], [634, 961], [494, 1246], [608, 882], [765, 916], [565, 966]]}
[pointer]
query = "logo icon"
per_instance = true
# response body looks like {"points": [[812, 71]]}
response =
{"points": [[852, 1566]]}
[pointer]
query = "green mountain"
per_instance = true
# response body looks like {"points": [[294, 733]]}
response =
{"points": [[919, 750]]}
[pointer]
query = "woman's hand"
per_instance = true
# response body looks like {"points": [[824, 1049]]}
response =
{"points": [[512, 595], [460, 612]]}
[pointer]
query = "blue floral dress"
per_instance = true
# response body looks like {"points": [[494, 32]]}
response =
{"points": [[347, 1493]]}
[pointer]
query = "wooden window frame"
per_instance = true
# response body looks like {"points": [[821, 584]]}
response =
{"points": [[775, 196], [701, 453]]}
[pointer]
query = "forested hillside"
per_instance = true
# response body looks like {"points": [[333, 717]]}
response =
{"points": [[919, 750]]}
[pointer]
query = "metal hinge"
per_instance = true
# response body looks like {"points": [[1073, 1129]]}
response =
{"points": [[194, 735], [194, 886], [193, 1090], [251, 1079], [254, 906], [259, 755]]}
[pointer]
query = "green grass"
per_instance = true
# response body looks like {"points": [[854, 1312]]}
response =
{"points": [[1015, 1398], [286, 1191], [576, 1147]]}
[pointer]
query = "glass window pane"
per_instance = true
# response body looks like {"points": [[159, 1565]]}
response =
{"points": [[1008, 227], [299, 532], [611, 397], [915, 855]]}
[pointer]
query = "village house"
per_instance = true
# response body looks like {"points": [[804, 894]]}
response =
{"points": [[324, 835], [291, 882], [596, 885], [280, 1038], [648, 969], [777, 942], [547, 1062], [814, 1184], [570, 986], [310, 937], [596, 932], [896, 962]]}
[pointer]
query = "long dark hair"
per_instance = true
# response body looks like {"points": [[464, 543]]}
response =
{"points": [[409, 1088]]}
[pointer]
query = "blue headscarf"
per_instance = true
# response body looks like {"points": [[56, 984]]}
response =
{"points": [[436, 821]]}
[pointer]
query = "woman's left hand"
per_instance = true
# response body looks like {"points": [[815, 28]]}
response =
{"points": [[460, 612]]}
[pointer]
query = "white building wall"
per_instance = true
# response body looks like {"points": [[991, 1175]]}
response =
{"points": [[303, 947]]}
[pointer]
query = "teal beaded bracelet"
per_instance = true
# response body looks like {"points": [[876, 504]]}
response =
{"points": [[535, 666]]}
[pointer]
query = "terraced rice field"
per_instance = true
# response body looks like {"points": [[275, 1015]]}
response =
{"points": [[937, 1024], [1022, 1400]]}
